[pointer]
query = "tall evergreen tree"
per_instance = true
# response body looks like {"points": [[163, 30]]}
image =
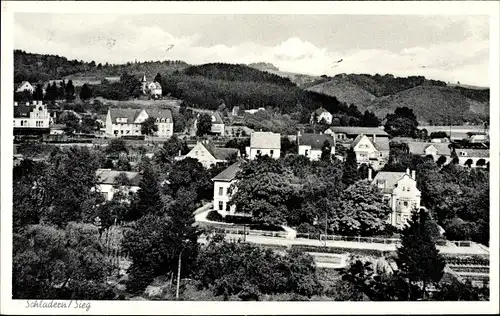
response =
{"points": [[38, 94], [350, 172], [158, 78], [148, 196], [418, 258], [85, 93], [326, 151], [70, 91]]}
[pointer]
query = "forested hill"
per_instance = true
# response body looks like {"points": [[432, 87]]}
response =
{"points": [[42, 67], [433, 101], [233, 72]]}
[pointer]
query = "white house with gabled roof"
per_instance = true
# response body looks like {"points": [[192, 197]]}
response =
{"points": [[401, 193], [264, 143]]}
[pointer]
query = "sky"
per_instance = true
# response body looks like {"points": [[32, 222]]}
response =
{"points": [[449, 48]]}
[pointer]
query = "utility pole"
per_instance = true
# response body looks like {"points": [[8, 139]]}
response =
{"points": [[178, 275], [326, 226]]}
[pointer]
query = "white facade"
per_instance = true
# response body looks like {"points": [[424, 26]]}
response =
{"points": [[38, 116], [222, 195], [26, 86], [326, 116], [312, 154], [200, 153], [367, 153], [264, 143], [124, 126], [217, 128], [403, 198], [271, 152]]}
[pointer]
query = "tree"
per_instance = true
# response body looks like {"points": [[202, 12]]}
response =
{"points": [[438, 134], [173, 147], [362, 210], [158, 78], [481, 162], [149, 127], [402, 122], [264, 190], [369, 119], [70, 91], [123, 164], [326, 151], [468, 163], [54, 263], [71, 122], [148, 200], [204, 124], [85, 93], [220, 269], [350, 171], [38, 93], [441, 160], [287, 146], [116, 146], [424, 134], [156, 243], [418, 258]]}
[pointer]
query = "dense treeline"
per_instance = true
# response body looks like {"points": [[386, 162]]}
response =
{"points": [[232, 72], [43, 67]]}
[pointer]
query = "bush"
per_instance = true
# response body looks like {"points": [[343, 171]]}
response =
{"points": [[215, 216]]}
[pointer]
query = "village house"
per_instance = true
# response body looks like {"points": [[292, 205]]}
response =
{"points": [[151, 88], [264, 143], [208, 154], [374, 153], [109, 182], [473, 157], [322, 114], [31, 117], [477, 137], [351, 132], [311, 145], [128, 122], [217, 123], [400, 191], [223, 190], [435, 150], [25, 86]]}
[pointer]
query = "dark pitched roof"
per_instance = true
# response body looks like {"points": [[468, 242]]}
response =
{"points": [[220, 153], [390, 179], [130, 114], [316, 141], [160, 113], [356, 130], [418, 148], [381, 144], [108, 176], [229, 173]]}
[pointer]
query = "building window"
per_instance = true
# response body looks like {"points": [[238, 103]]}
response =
{"points": [[271, 152], [258, 152], [221, 190], [21, 123], [221, 206], [229, 191], [307, 152], [405, 203]]}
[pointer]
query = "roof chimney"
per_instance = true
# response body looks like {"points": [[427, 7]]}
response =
{"points": [[370, 174], [413, 175], [408, 171]]}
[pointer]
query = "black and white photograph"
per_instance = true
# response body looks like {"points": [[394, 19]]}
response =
{"points": [[318, 157]]}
